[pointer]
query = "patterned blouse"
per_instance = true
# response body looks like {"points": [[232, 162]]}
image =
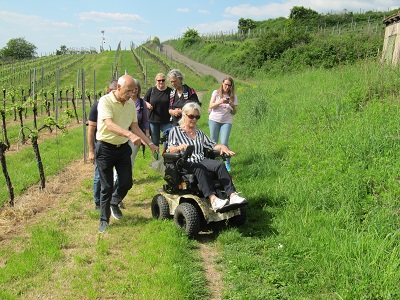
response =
{"points": [[177, 136]]}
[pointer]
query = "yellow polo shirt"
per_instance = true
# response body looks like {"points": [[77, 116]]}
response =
{"points": [[123, 115]]}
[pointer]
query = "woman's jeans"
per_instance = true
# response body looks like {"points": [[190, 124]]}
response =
{"points": [[155, 129], [221, 130], [96, 185]]}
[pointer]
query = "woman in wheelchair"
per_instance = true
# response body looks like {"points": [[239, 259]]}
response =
{"points": [[187, 133]]}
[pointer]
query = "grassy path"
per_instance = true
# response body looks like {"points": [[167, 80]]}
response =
{"points": [[66, 207], [78, 270]]}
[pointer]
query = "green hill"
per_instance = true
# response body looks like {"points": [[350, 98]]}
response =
{"points": [[304, 39], [317, 157]]}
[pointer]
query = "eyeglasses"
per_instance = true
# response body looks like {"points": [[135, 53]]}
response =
{"points": [[160, 80], [191, 117]]}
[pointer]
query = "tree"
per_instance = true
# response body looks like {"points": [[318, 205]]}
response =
{"points": [[245, 25], [19, 48], [190, 37], [156, 41], [301, 13], [63, 50]]}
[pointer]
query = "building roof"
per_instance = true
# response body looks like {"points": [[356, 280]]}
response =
{"points": [[392, 19]]}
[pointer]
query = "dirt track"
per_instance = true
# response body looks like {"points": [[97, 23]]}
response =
{"points": [[198, 67]]}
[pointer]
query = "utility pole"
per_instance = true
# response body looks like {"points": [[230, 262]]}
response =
{"points": [[102, 41]]}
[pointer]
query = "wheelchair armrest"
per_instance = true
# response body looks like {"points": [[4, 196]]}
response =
{"points": [[171, 157], [211, 153], [216, 153]]}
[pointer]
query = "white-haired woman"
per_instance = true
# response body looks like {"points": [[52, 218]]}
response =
{"points": [[187, 133], [180, 95]]}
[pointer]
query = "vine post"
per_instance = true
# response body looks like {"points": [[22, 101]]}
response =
{"points": [[34, 136], [84, 117], [3, 118], [94, 86], [3, 148]]}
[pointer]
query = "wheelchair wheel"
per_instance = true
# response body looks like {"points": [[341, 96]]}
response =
{"points": [[187, 218], [239, 220], [160, 208]]}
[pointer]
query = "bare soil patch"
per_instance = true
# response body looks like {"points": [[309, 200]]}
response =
{"points": [[36, 201]]}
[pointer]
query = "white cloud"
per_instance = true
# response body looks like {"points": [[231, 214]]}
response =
{"points": [[184, 10], [203, 11], [272, 10], [121, 29], [97, 16], [124, 34], [352, 5], [36, 23], [275, 10], [222, 26]]}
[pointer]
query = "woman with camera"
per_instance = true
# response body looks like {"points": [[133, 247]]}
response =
{"points": [[223, 105]]}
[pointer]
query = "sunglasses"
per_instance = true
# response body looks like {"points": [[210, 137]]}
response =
{"points": [[160, 80], [191, 117]]}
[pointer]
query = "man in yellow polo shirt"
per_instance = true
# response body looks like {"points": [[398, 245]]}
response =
{"points": [[116, 113]]}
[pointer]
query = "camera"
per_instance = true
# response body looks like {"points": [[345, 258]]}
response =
{"points": [[227, 99]]}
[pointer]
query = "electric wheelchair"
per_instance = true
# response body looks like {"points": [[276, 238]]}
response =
{"points": [[181, 199]]}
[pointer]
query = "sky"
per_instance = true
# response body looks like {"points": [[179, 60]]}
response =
{"points": [[49, 24]]}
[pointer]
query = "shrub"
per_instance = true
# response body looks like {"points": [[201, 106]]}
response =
{"points": [[190, 37]]}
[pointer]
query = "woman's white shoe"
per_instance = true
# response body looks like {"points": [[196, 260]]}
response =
{"points": [[236, 199], [218, 203]]}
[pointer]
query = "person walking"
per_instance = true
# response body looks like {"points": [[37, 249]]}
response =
{"points": [[92, 125], [223, 105], [116, 113], [157, 101], [180, 95], [143, 120], [143, 123]]}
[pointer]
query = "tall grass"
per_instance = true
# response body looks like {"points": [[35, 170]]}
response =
{"points": [[317, 160], [62, 257], [320, 166]]}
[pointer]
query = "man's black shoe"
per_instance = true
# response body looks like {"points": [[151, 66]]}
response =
{"points": [[103, 226], [116, 212]]}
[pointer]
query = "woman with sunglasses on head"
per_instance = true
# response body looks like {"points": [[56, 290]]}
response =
{"points": [[223, 105], [157, 100], [180, 95], [187, 133]]}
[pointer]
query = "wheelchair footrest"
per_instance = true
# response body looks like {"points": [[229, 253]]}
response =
{"points": [[229, 207]]}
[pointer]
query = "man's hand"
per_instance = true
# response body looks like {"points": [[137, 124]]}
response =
{"points": [[91, 156], [153, 148], [136, 141]]}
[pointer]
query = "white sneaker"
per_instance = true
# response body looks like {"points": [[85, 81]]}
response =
{"points": [[237, 200], [218, 204]]}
